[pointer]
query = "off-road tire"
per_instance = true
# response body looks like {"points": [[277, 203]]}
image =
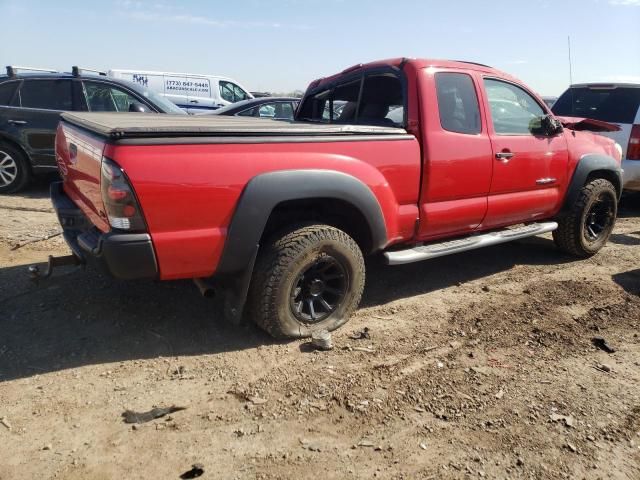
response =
{"points": [[570, 234], [279, 268], [22, 171]]}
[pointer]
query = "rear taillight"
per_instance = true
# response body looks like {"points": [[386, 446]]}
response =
{"points": [[120, 203], [633, 149]]}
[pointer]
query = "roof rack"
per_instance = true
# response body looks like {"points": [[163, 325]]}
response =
{"points": [[77, 71], [12, 70], [474, 63]]}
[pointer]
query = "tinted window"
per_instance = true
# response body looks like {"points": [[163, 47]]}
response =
{"points": [[458, 103], [102, 97], [381, 95], [267, 110], [618, 105], [284, 110], [47, 94], [7, 90], [341, 104], [379, 100], [247, 113], [513, 111]]}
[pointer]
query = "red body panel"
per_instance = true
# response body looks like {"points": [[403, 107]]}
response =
{"points": [[457, 170], [450, 183], [188, 192]]}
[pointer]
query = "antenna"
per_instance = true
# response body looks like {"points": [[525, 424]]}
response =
{"points": [[570, 68]]}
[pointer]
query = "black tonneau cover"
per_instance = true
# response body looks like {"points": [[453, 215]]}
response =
{"points": [[149, 125]]}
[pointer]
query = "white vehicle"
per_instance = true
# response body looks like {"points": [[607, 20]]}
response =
{"points": [[194, 93], [617, 103]]}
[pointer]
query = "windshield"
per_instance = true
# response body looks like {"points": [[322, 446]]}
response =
{"points": [[158, 100], [609, 104]]}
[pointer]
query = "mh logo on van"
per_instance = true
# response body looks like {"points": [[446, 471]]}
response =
{"points": [[141, 79]]}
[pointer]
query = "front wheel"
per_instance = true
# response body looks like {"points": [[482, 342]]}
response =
{"points": [[308, 278], [587, 226]]}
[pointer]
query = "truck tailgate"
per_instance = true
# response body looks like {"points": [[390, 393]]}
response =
{"points": [[79, 157]]}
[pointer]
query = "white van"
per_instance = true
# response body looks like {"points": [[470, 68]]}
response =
{"points": [[193, 93]]}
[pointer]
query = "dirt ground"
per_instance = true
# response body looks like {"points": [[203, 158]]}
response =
{"points": [[478, 365]]}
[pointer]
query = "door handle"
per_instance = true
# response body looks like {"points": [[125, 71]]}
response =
{"points": [[504, 156], [17, 122], [545, 181], [193, 101]]}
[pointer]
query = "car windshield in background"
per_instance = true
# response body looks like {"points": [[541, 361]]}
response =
{"points": [[617, 104]]}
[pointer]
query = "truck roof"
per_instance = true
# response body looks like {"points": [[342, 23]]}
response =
{"points": [[418, 63], [123, 125]]}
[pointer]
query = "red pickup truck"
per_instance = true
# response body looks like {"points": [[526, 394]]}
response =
{"points": [[409, 159]]}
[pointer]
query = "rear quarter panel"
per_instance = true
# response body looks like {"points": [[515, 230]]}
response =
{"points": [[188, 193]]}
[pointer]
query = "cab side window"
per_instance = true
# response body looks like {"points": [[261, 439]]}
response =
{"points": [[46, 94], [458, 103], [513, 110]]}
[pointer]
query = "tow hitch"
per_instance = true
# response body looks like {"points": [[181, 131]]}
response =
{"points": [[34, 270]]}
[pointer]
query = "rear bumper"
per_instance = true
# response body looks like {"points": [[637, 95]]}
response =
{"points": [[126, 256], [631, 176]]}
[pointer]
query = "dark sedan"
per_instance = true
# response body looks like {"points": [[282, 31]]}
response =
{"points": [[277, 108]]}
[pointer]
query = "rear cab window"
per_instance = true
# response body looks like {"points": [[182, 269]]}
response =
{"points": [[46, 94], [608, 103], [371, 98]]}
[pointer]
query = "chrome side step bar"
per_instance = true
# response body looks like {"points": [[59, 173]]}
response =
{"points": [[434, 250]]}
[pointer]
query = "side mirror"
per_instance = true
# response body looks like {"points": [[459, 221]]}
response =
{"points": [[138, 107], [551, 125]]}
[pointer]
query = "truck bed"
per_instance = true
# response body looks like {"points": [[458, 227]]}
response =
{"points": [[119, 126]]}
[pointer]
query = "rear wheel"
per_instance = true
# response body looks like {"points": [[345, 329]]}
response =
{"points": [[14, 169], [586, 229], [308, 278]]}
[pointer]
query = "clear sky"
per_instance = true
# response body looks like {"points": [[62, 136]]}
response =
{"points": [[281, 45]]}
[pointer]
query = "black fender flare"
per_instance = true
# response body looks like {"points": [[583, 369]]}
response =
{"points": [[588, 164], [259, 198]]}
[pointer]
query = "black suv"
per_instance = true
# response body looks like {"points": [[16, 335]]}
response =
{"points": [[30, 107]]}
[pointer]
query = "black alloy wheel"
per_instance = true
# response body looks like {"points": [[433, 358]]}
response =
{"points": [[319, 290], [599, 217]]}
